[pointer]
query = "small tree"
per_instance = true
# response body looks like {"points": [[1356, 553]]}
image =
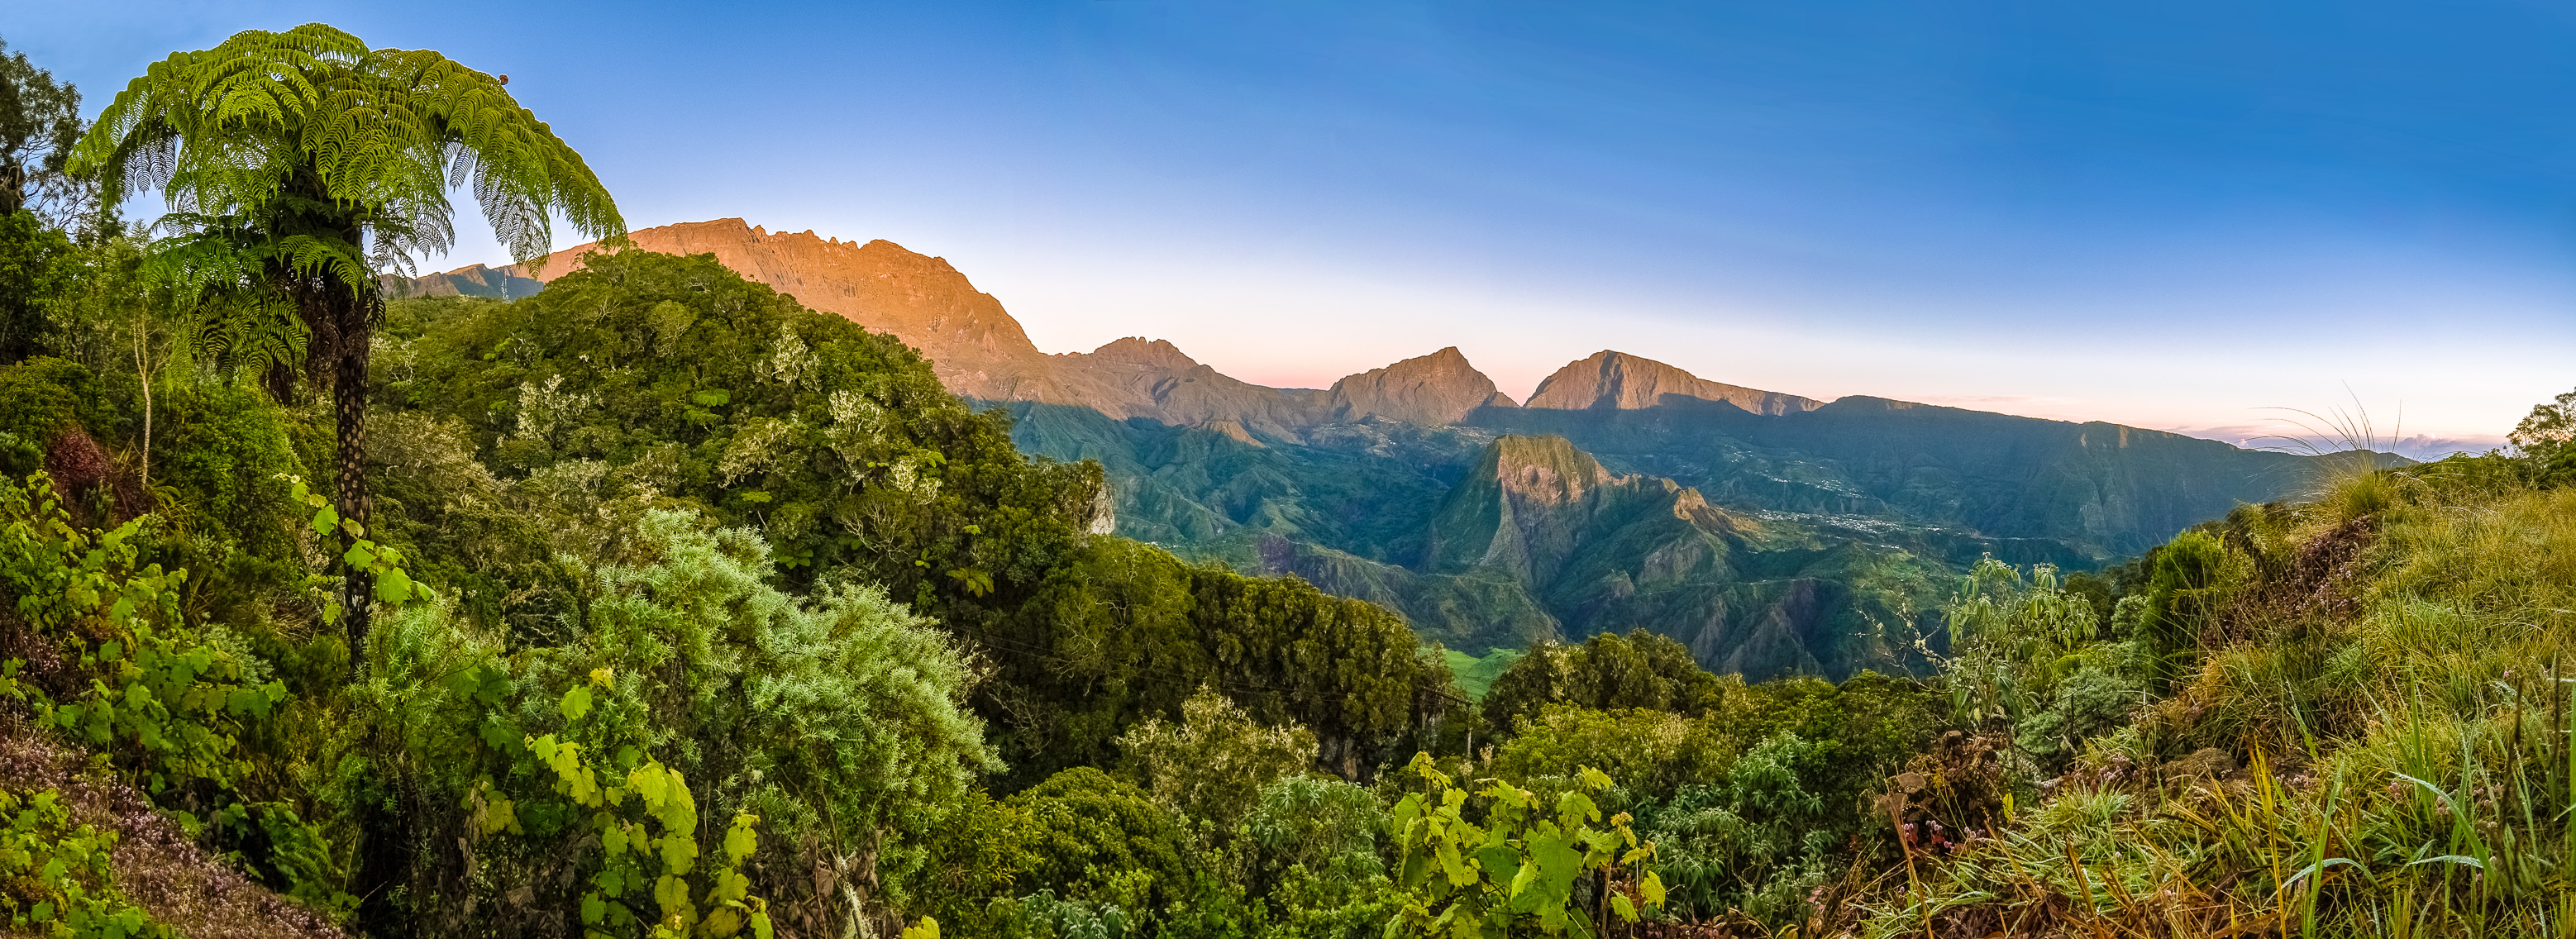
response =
{"points": [[1213, 764], [2547, 438], [2030, 657], [39, 120]]}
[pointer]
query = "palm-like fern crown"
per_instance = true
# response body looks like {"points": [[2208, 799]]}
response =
{"points": [[300, 138]]}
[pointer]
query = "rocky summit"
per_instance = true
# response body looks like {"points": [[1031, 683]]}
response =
{"points": [[1770, 533], [1440, 388]]}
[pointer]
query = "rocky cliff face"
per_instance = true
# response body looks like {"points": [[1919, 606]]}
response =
{"points": [[1134, 377], [1522, 507], [1619, 381]]}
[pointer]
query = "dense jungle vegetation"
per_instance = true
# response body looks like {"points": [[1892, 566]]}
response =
{"points": [[665, 606]]}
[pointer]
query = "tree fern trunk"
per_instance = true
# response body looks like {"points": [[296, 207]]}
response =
{"points": [[349, 407]]}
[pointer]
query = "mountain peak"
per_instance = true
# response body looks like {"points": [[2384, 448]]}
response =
{"points": [[980, 351], [1138, 350], [1440, 388], [1611, 379]]}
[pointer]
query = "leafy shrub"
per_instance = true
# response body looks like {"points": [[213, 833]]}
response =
{"points": [[1098, 839], [118, 667], [1605, 673], [837, 723], [1042, 915], [1654, 751], [649, 847], [54, 876], [35, 270], [1213, 764], [1123, 632], [1756, 802], [2036, 660], [1309, 850], [1755, 844], [972, 865], [1510, 864], [42, 397], [219, 456]]}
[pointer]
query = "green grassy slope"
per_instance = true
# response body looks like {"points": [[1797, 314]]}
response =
{"points": [[2364, 732]]}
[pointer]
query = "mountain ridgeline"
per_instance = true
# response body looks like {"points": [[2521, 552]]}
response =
{"points": [[1770, 533]]}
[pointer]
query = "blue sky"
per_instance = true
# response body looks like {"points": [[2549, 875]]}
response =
{"points": [[2166, 214]]}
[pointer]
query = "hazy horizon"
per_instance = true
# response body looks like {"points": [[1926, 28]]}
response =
{"points": [[2169, 217]]}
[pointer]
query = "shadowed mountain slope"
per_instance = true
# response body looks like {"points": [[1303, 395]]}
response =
{"points": [[2092, 491], [472, 281]]}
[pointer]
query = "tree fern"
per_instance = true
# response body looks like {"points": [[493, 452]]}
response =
{"points": [[297, 166], [382, 135]]}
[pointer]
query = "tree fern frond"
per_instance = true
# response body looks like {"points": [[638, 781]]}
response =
{"points": [[243, 334], [462, 163], [322, 257], [380, 134]]}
